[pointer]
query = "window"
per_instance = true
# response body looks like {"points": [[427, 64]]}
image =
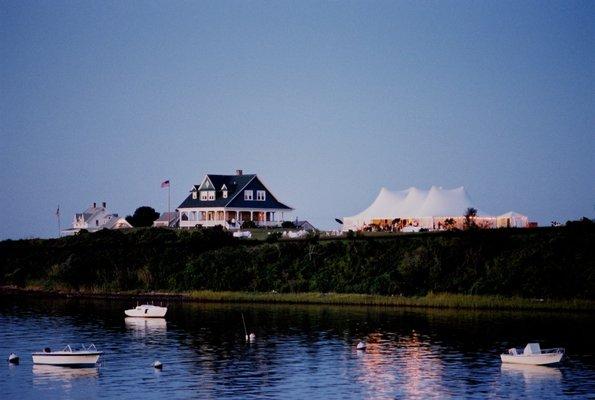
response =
{"points": [[261, 195], [211, 195], [225, 194], [194, 194], [203, 196], [248, 194]]}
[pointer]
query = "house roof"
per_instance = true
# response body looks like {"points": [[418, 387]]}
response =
{"points": [[303, 224], [234, 184], [168, 216], [114, 220]]}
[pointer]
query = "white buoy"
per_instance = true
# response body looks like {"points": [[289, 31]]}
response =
{"points": [[252, 337], [157, 365], [361, 346], [13, 358]]}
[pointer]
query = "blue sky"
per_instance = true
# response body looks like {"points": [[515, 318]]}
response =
{"points": [[326, 101]]}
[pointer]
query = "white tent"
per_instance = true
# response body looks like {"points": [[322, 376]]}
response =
{"points": [[423, 208]]}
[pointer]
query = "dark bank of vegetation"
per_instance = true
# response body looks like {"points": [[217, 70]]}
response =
{"points": [[544, 263]]}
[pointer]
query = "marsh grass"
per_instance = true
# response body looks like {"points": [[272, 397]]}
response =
{"points": [[432, 300]]}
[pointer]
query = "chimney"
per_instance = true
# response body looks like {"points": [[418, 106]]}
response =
{"points": [[104, 204], [94, 204], [239, 172]]}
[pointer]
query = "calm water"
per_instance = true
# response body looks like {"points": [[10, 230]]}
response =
{"points": [[300, 352]]}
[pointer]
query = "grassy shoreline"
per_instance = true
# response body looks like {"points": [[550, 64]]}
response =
{"points": [[432, 300]]}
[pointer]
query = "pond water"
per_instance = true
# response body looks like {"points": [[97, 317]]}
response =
{"points": [[300, 352]]}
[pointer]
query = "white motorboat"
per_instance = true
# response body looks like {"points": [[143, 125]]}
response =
{"points": [[147, 311], [532, 354], [67, 357]]}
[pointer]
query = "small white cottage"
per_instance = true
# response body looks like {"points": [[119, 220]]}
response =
{"points": [[95, 218]]}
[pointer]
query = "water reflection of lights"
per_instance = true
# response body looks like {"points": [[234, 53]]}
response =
{"points": [[146, 326], [408, 367], [422, 369]]}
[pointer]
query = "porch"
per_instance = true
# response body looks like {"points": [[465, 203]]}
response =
{"points": [[230, 219]]}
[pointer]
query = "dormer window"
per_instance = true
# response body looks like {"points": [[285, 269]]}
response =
{"points": [[203, 195], [248, 194], [224, 191], [211, 195], [261, 195], [194, 195], [225, 194]]}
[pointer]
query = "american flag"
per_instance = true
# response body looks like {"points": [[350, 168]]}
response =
{"points": [[58, 211], [165, 184]]}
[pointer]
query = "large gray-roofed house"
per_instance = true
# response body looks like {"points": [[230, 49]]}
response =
{"points": [[229, 200]]}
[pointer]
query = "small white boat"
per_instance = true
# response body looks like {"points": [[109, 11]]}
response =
{"points": [[147, 311], [533, 355], [67, 357]]}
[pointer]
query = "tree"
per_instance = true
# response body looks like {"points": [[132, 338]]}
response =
{"points": [[248, 225], [449, 224], [287, 225], [470, 215], [143, 216]]}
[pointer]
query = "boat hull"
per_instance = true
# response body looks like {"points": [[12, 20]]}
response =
{"points": [[532, 359], [66, 359], [153, 312]]}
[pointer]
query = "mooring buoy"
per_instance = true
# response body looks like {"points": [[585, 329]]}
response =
{"points": [[13, 358]]}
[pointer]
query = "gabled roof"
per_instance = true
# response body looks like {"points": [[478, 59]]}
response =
{"points": [[167, 216], [115, 220], [304, 225], [235, 185]]}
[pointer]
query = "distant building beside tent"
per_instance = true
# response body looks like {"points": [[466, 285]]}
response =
{"points": [[414, 209], [304, 225], [95, 218]]}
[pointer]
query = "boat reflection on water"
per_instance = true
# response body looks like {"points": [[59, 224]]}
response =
{"points": [[43, 373], [532, 381], [531, 372], [146, 326]]}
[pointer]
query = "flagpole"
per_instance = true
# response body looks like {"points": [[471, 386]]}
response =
{"points": [[59, 225], [168, 197]]}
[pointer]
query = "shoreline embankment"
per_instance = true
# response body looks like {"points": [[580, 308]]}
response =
{"points": [[544, 268], [431, 300]]}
